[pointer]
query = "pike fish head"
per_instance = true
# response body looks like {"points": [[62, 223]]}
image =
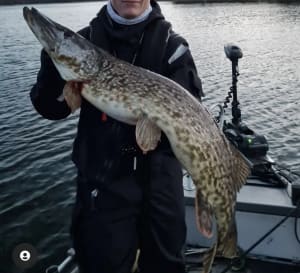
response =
{"points": [[74, 57]]}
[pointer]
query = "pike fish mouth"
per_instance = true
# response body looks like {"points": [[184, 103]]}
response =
{"points": [[48, 32]]}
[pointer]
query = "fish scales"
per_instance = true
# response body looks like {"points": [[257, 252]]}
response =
{"points": [[152, 102], [168, 105]]}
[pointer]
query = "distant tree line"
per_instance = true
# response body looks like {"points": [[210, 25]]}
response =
{"points": [[18, 2]]}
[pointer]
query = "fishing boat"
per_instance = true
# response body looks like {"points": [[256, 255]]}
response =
{"points": [[267, 209]]}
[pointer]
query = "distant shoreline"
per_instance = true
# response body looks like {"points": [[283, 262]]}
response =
{"points": [[25, 2], [234, 1]]}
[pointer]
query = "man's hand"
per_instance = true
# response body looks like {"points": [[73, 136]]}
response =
{"points": [[72, 94]]}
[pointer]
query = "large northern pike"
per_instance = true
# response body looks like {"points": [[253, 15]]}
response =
{"points": [[154, 103]]}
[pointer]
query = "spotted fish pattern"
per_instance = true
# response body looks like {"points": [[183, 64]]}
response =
{"points": [[154, 103]]}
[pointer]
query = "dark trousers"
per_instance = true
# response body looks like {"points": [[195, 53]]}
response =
{"points": [[144, 209]]}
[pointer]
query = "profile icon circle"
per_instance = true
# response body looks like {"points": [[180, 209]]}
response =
{"points": [[24, 255]]}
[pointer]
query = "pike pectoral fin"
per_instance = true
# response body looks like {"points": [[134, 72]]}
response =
{"points": [[72, 94], [147, 134], [204, 218]]}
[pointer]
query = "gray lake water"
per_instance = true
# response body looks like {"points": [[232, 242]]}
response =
{"points": [[36, 173]]}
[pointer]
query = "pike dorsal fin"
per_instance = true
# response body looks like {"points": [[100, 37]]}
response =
{"points": [[147, 134], [241, 168]]}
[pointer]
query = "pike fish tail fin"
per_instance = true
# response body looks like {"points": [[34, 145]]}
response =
{"points": [[228, 247], [204, 215], [208, 259]]}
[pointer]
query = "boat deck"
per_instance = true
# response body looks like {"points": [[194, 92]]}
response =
{"points": [[259, 209], [251, 265]]}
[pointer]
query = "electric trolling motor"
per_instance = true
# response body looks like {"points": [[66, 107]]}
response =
{"points": [[252, 145]]}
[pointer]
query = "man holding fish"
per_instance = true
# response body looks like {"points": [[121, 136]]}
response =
{"points": [[126, 198]]}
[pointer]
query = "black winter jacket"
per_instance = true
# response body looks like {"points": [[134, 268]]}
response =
{"points": [[100, 145]]}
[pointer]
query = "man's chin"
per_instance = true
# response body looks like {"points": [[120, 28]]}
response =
{"points": [[131, 12]]}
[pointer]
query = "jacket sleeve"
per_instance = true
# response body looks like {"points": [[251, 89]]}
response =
{"points": [[180, 66], [46, 94]]}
